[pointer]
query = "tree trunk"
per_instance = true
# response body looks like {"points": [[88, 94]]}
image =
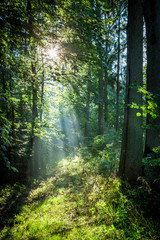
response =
{"points": [[42, 90], [100, 103], [4, 91], [41, 143], [106, 78], [34, 139], [34, 95], [117, 80], [87, 111], [132, 147], [105, 96], [100, 72], [152, 19]]}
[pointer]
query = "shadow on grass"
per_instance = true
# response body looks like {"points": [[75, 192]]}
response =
{"points": [[12, 200]]}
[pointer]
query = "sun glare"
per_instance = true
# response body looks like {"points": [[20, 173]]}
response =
{"points": [[53, 53]]}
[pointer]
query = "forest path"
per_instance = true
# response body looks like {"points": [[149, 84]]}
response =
{"points": [[76, 202]]}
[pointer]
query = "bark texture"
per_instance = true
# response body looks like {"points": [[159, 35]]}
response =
{"points": [[152, 19], [131, 152], [118, 72]]}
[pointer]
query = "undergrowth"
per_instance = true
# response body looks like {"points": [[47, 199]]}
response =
{"points": [[77, 202]]}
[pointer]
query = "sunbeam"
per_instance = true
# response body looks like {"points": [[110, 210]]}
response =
{"points": [[62, 135]]}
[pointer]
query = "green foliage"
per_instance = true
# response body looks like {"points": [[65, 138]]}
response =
{"points": [[150, 161], [5, 142], [9, 192], [98, 143], [150, 108], [151, 105], [38, 91], [44, 188], [104, 152]]}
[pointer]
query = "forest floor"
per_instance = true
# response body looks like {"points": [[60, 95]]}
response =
{"points": [[77, 201]]}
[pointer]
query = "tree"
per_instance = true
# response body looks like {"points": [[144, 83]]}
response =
{"points": [[118, 71], [132, 148], [152, 19]]}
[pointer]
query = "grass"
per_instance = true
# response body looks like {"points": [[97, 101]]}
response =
{"points": [[77, 202]]}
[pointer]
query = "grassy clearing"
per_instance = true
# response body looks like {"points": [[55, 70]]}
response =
{"points": [[76, 203]]}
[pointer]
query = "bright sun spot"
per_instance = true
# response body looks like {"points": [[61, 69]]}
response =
{"points": [[53, 53]]}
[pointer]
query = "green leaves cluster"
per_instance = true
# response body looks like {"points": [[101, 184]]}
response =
{"points": [[5, 141], [151, 103]]}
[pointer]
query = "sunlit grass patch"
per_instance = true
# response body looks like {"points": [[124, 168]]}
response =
{"points": [[78, 203], [95, 232], [40, 219], [43, 190]]}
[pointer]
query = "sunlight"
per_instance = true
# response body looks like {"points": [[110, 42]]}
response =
{"points": [[53, 53], [62, 136]]}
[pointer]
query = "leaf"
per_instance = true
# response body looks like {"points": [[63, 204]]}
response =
{"points": [[139, 114], [133, 86], [14, 169], [4, 148]]}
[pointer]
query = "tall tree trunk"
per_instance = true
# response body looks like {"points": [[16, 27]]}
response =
{"points": [[100, 103], [152, 19], [100, 72], [106, 77], [4, 90], [87, 111], [34, 92], [117, 80], [132, 147], [42, 90], [105, 96], [35, 140], [12, 119], [40, 141]]}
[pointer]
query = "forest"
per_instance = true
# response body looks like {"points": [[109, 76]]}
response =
{"points": [[79, 119]]}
